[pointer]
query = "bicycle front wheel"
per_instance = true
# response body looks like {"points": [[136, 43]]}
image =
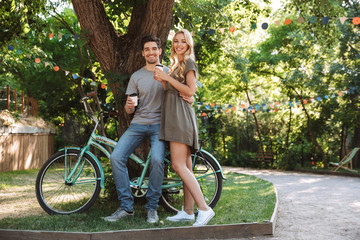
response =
{"points": [[209, 178], [58, 196]]}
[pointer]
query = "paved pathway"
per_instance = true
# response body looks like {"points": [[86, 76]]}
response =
{"points": [[313, 206]]}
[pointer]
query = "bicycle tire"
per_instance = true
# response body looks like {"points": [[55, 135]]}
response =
{"points": [[56, 196], [173, 199]]}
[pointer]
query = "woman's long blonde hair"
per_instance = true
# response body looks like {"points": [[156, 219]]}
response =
{"points": [[178, 67]]}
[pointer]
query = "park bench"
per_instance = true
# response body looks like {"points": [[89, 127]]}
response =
{"points": [[264, 157]]}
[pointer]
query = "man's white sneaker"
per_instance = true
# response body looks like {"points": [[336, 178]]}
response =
{"points": [[204, 217], [152, 216], [181, 216], [120, 213]]}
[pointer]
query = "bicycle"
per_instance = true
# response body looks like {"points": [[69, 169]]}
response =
{"points": [[70, 181]]}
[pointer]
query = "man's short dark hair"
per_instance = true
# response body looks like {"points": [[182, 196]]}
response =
{"points": [[150, 38]]}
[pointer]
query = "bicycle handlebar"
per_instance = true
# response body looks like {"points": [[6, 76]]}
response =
{"points": [[202, 142], [91, 113], [84, 99], [91, 94], [87, 110]]}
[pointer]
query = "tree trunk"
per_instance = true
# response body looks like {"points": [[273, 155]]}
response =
{"points": [[248, 138], [289, 130], [342, 142], [256, 125], [236, 143], [356, 160], [224, 145], [313, 138], [120, 55]]}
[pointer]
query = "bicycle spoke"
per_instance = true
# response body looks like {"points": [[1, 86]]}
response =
{"points": [[209, 178], [58, 196]]}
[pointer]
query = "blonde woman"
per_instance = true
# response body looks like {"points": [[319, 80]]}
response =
{"points": [[179, 126]]}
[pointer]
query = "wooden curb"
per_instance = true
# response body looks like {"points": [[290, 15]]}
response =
{"points": [[204, 232], [274, 215], [227, 231]]}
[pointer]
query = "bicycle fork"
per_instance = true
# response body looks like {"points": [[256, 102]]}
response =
{"points": [[72, 173]]}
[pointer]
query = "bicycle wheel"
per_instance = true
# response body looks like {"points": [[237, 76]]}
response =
{"points": [[55, 195], [209, 178]]}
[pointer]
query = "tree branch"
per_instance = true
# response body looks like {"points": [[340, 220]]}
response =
{"points": [[101, 33]]}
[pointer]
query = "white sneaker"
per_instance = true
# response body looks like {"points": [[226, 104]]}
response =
{"points": [[181, 216], [152, 216], [204, 217], [120, 213]]}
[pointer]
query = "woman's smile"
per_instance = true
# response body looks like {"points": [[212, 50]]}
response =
{"points": [[180, 44]]}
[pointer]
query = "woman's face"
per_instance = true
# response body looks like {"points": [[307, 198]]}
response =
{"points": [[180, 44]]}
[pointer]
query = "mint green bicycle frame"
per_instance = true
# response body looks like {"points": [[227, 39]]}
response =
{"points": [[74, 161], [97, 141]]}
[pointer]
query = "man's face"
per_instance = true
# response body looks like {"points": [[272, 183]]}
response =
{"points": [[151, 52]]}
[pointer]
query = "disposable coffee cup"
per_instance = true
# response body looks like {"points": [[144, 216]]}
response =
{"points": [[160, 66], [134, 97]]}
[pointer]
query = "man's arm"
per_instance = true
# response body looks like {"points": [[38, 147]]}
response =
{"points": [[189, 99]]}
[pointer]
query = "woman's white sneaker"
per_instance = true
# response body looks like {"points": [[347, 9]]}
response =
{"points": [[204, 217], [181, 216]]}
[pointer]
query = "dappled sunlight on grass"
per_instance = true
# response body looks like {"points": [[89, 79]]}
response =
{"points": [[244, 199], [18, 178], [247, 198], [17, 194]]}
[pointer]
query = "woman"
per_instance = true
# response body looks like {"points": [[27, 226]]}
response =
{"points": [[179, 125]]}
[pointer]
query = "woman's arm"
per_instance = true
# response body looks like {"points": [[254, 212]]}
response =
{"points": [[156, 77], [163, 84], [188, 89]]}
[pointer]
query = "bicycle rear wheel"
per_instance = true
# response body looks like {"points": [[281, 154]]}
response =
{"points": [[55, 195], [209, 178]]}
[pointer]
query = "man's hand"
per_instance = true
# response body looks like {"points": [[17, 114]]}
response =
{"points": [[129, 105], [189, 99]]}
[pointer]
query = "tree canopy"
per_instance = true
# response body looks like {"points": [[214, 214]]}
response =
{"points": [[284, 81]]}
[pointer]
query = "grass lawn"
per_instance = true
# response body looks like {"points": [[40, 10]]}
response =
{"points": [[244, 199]]}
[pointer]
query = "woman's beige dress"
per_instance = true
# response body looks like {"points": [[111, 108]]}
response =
{"points": [[178, 120]]}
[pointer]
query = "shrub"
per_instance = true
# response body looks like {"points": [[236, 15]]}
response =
{"points": [[288, 159]]}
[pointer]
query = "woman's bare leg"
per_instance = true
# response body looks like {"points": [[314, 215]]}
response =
{"points": [[188, 199], [179, 158]]}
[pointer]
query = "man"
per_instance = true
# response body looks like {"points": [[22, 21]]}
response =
{"points": [[146, 123]]}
